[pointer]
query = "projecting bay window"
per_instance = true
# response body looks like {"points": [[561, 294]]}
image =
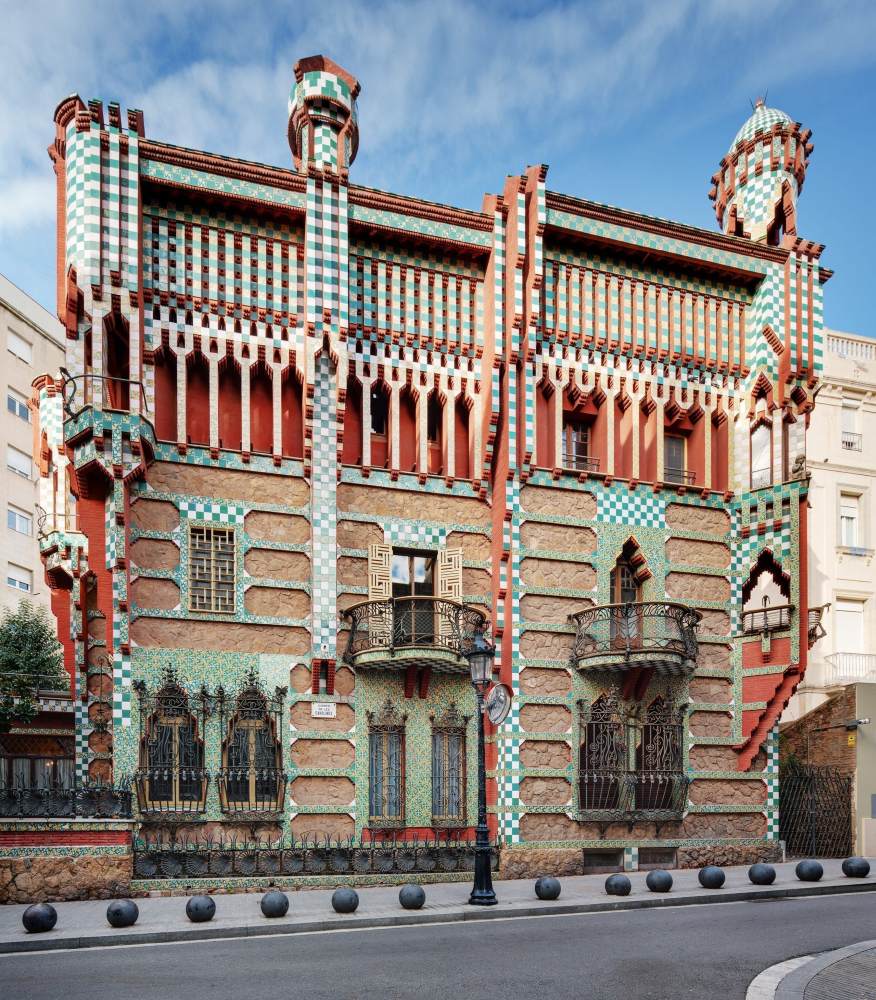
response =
{"points": [[386, 769], [448, 771], [211, 569]]}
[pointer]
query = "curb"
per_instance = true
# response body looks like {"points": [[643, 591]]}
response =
{"points": [[793, 986], [36, 943]]}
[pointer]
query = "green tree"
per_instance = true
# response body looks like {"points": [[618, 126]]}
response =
{"points": [[30, 659]]}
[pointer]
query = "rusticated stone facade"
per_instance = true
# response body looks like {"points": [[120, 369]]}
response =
{"points": [[340, 431]]}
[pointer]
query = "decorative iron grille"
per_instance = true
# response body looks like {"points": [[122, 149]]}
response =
{"points": [[157, 857], [252, 780], [211, 569], [403, 622], [85, 801], [815, 811], [631, 770], [629, 632], [171, 780], [448, 769], [386, 772]]}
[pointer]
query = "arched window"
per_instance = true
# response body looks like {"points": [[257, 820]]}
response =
{"points": [[292, 418], [379, 425], [229, 405], [386, 768], [171, 777], [197, 400], [435, 434], [117, 362], [448, 770], [261, 409], [165, 395], [462, 442], [766, 596], [252, 754]]}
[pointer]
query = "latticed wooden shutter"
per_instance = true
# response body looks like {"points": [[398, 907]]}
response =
{"points": [[380, 589], [449, 586]]}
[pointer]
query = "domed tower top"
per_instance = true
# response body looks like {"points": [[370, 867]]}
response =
{"points": [[323, 125], [756, 187]]}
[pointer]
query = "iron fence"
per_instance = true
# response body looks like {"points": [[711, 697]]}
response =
{"points": [[206, 857], [815, 811], [86, 801]]}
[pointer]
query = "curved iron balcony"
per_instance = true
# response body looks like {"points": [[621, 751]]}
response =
{"points": [[773, 618], [247, 791], [628, 796], [411, 631], [655, 634]]}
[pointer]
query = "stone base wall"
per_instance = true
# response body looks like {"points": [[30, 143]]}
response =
{"points": [[729, 854], [53, 878], [535, 861]]}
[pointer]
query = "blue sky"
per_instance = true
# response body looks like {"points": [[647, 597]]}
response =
{"points": [[630, 103]]}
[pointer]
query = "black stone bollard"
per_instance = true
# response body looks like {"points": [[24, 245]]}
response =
{"points": [[761, 874], [856, 867], [200, 909], [122, 913], [711, 877], [618, 885], [809, 871], [39, 917], [412, 897], [547, 887], [345, 900], [274, 903], [659, 880]]}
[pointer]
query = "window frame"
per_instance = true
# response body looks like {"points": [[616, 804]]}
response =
{"points": [[680, 477], [16, 586], [16, 514], [442, 734], [381, 735], [12, 450], [212, 530], [13, 335], [19, 402], [754, 483]]}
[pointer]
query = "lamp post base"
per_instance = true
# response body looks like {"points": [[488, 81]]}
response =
{"points": [[482, 897]]}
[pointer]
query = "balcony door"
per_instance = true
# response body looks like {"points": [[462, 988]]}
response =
{"points": [[674, 459], [626, 628], [413, 591]]}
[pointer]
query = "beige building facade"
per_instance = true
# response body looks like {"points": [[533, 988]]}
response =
{"points": [[31, 342], [841, 459]]}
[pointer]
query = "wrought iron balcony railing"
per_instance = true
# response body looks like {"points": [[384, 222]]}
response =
{"points": [[106, 392], [851, 441], [85, 801], [815, 629], [655, 634], [771, 619], [57, 521], [404, 630], [171, 793], [627, 796], [247, 791], [678, 477], [580, 463]]}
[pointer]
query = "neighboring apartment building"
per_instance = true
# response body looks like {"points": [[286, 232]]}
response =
{"points": [[841, 458], [319, 435], [32, 342]]}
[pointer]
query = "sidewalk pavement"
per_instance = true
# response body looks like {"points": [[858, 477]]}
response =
{"points": [[83, 924], [845, 972]]}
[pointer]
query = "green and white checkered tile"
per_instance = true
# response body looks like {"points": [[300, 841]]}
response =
{"points": [[634, 507], [222, 512]]}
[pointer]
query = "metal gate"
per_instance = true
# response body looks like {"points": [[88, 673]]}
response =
{"points": [[815, 811]]}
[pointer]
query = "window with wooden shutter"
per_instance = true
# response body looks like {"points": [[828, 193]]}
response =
{"points": [[449, 585]]}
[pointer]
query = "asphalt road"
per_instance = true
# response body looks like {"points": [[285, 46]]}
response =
{"points": [[711, 952]]}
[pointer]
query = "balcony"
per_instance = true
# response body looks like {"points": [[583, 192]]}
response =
{"points": [[623, 636], [850, 441], [252, 793], [850, 668], [631, 796], [575, 462], [171, 794], [405, 632], [772, 619], [678, 477]]}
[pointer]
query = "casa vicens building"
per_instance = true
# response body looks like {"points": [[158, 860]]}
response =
{"points": [[312, 437]]}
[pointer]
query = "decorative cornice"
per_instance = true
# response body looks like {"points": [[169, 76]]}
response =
{"points": [[225, 166], [434, 211]]}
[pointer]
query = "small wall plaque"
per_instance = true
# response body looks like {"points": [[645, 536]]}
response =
{"points": [[323, 710]]}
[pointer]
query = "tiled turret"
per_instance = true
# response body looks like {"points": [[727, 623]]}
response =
{"points": [[323, 129]]}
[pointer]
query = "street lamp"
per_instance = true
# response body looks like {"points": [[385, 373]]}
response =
{"points": [[480, 661], [851, 726]]}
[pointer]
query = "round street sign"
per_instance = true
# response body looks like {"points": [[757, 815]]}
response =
{"points": [[498, 703]]}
